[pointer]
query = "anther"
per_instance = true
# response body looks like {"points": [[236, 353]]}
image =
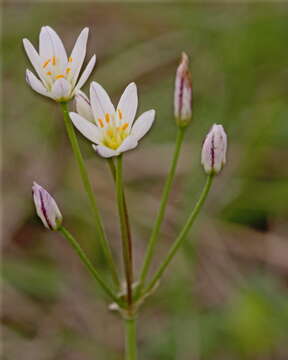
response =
{"points": [[107, 118]]}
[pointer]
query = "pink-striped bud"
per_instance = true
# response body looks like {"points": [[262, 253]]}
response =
{"points": [[214, 150], [183, 93], [46, 208]]}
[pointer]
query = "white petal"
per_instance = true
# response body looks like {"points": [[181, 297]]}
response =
{"points": [[86, 73], [56, 44], [105, 151], [89, 130], [61, 90], [100, 101], [45, 44], [36, 84], [34, 58], [78, 54], [128, 104], [143, 124], [129, 143], [83, 107]]}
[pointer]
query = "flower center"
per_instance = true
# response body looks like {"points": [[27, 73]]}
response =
{"points": [[53, 69], [114, 136]]}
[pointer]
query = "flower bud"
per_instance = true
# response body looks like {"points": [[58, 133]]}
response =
{"points": [[214, 149], [46, 208], [183, 93]]}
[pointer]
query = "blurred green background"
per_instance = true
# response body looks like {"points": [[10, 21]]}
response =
{"points": [[225, 295]]}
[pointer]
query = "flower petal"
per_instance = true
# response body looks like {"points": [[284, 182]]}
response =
{"points": [[46, 50], [128, 144], [86, 73], [36, 84], [89, 130], [105, 151], [83, 106], [127, 107], [100, 101], [78, 54], [61, 90], [34, 59], [56, 47], [143, 124]]}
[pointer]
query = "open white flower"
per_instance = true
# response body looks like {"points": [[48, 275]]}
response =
{"points": [[112, 131], [58, 74]]}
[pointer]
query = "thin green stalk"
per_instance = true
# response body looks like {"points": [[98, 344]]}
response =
{"points": [[130, 339], [126, 241], [183, 234], [161, 212], [127, 221], [88, 264], [89, 191]]}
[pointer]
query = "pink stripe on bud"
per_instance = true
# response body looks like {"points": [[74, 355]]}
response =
{"points": [[183, 93], [46, 208], [214, 150]]}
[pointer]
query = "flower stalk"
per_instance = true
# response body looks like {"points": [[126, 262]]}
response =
{"points": [[88, 264], [88, 188], [161, 212], [126, 239], [183, 234]]}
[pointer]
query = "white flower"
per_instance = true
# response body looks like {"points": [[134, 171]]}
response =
{"points": [[58, 74], [112, 131], [183, 93], [46, 208], [214, 150]]}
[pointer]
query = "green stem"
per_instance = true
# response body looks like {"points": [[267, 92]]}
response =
{"points": [[126, 241], [88, 263], [162, 208], [130, 339], [89, 191], [127, 221], [183, 234]]}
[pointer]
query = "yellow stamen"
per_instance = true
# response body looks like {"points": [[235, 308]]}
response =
{"points": [[49, 73], [110, 132], [53, 60], [114, 136], [59, 76], [70, 59], [120, 114], [107, 118], [68, 70], [100, 121], [46, 63]]}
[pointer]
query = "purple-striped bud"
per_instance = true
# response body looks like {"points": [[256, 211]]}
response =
{"points": [[214, 150], [183, 93], [46, 208]]}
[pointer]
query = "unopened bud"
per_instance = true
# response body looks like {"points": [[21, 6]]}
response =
{"points": [[46, 208], [183, 93], [214, 150]]}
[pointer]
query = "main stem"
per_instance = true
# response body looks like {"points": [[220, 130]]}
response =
{"points": [[183, 234], [89, 191], [162, 208], [76, 246], [126, 240], [130, 339]]}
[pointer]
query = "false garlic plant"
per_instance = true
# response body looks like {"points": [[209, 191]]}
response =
{"points": [[112, 132]]}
